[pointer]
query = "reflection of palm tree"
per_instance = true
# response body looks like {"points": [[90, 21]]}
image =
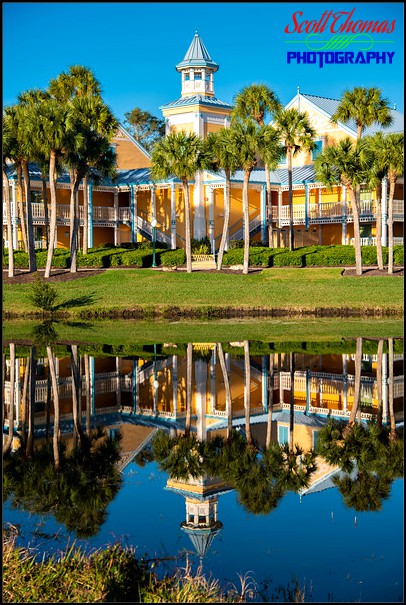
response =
{"points": [[364, 492], [247, 391], [391, 380], [227, 390], [55, 396], [292, 401], [9, 442], [76, 394], [31, 403], [189, 361], [87, 391], [270, 402], [379, 380], [357, 386]]}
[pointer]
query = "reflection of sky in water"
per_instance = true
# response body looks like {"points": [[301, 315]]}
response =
{"points": [[334, 550]]}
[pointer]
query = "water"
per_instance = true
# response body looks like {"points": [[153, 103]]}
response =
{"points": [[333, 551]]}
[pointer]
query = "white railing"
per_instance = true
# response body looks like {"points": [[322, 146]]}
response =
{"points": [[398, 207], [323, 210], [371, 241], [103, 213], [124, 214]]}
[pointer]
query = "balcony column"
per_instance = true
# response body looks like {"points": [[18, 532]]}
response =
{"points": [[306, 187], [201, 378], [90, 222], [224, 213], [278, 231], [173, 216], [345, 384], [263, 215], [14, 219], [175, 385], [116, 218], [344, 217], [264, 382], [211, 219], [153, 201], [384, 204]]}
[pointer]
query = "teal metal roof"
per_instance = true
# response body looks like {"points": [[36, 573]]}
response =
{"points": [[329, 106], [197, 56], [278, 176], [197, 99]]}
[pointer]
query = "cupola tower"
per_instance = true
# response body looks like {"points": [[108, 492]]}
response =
{"points": [[197, 69]]}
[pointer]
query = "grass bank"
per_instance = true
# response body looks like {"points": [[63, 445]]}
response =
{"points": [[281, 292], [114, 574]]}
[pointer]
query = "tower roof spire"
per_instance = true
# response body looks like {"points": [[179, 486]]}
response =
{"points": [[197, 56]]}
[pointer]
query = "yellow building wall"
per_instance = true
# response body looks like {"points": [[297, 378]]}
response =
{"points": [[103, 198], [188, 128], [209, 127], [331, 234], [128, 155], [103, 235]]}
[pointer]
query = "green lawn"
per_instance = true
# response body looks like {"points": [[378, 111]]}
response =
{"points": [[291, 289]]}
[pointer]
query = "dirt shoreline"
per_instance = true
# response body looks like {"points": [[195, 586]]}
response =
{"points": [[22, 276]]}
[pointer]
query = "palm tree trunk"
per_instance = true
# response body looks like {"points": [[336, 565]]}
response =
{"points": [[46, 217], [292, 401], [379, 256], [245, 211], [32, 261], [270, 402], [7, 203], [52, 371], [379, 381], [291, 231], [226, 221], [354, 196], [188, 242], [9, 442], [247, 391], [52, 229], [390, 389], [189, 361], [390, 224], [48, 408], [85, 217], [227, 390], [21, 206], [31, 404], [268, 212]]}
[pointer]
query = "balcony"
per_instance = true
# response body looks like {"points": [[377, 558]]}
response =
{"points": [[325, 212]]}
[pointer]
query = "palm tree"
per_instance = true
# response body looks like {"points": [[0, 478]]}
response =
{"points": [[14, 153], [296, 135], [181, 155], [7, 146], [248, 140], [388, 150], [349, 164], [255, 102], [48, 130], [365, 106], [222, 145]]}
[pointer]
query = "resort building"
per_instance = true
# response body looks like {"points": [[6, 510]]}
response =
{"points": [[122, 211]]}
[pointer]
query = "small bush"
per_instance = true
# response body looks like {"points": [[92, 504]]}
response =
{"points": [[236, 243], [43, 294], [201, 246], [173, 258]]}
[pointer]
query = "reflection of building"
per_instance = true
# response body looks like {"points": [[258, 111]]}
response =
{"points": [[154, 390], [122, 211]]}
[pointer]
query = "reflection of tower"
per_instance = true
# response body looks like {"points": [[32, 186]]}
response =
{"points": [[201, 499], [201, 523]]}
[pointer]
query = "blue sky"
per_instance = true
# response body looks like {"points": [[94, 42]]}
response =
{"points": [[133, 48]]}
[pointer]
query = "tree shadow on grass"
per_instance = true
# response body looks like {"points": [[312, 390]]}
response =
{"points": [[79, 301]]}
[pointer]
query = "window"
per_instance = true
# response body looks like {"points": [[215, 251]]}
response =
{"points": [[198, 75], [282, 434], [187, 75], [317, 149]]}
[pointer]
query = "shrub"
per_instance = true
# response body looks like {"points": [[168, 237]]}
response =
{"points": [[288, 259], [201, 246], [398, 255], [173, 258], [43, 294], [236, 243]]}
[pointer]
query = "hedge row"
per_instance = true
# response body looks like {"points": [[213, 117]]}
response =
{"points": [[103, 257], [310, 256]]}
